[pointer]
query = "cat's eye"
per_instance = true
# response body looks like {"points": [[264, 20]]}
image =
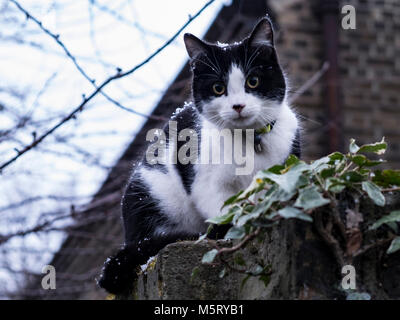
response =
{"points": [[218, 88], [253, 82]]}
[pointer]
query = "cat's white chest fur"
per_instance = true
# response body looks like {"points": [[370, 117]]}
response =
{"points": [[215, 183]]}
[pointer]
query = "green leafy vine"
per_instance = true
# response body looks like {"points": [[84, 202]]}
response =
{"points": [[300, 190]]}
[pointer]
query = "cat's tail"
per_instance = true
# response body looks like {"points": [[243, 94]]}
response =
{"points": [[120, 271]]}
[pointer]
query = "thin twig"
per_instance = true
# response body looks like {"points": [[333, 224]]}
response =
{"points": [[56, 37], [378, 243], [330, 240], [240, 244], [48, 226], [391, 189]]}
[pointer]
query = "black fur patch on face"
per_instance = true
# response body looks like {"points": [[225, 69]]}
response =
{"points": [[214, 64]]}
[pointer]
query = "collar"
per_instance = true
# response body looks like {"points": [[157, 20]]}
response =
{"points": [[261, 131]]}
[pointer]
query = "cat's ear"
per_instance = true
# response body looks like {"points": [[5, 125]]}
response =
{"points": [[194, 46], [262, 34]]}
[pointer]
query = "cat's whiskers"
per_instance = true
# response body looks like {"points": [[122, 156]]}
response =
{"points": [[207, 64], [216, 65], [266, 119], [216, 61], [217, 120], [245, 56], [309, 119], [211, 75], [252, 58]]}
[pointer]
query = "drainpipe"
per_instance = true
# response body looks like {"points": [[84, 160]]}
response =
{"points": [[329, 12]]}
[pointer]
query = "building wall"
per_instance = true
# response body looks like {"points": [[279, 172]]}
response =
{"points": [[369, 79], [299, 44], [370, 75]]}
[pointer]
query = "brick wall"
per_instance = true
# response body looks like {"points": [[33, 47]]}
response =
{"points": [[300, 47], [369, 62], [370, 74]]}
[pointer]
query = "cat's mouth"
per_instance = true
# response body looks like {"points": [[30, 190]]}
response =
{"points": [[243, 121]]}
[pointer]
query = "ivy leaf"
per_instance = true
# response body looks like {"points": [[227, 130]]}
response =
{"points": [[374, 192], [209, 256], [393, 226], [334, 185], [260, 207], [232, 199], [278, 194], [310, 198], [244, 281], [326, 173], [256, 185], [241, 212], [246, 217], [253, 215], [320, 164], [336, 156], [290, 212], [387, 177], [195, 272], [224, 219], [291, 160], [372, 163], [235, 233], [394, 245], [265, 279], [353, 148], [277, 169], [201, 238], [378, 147], [288, 180], [363, 161], [257, 270], [352, 176], [359, 159], [394, 216]]}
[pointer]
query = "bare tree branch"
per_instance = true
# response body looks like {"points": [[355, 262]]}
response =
{"points": [[120, 74], [56, 37]]}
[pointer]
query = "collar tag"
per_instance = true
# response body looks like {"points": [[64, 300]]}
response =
{"points": [[259, 132]]}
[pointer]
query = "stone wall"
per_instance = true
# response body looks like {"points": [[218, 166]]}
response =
{"points": [[303, 267]]}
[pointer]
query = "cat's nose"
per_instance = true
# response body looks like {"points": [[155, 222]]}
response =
{"points": [[238, 107]]}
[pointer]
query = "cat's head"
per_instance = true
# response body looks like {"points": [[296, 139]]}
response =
{"points": [[238, 85]]}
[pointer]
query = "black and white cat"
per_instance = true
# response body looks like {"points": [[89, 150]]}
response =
{"points": [[235, 86]]}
